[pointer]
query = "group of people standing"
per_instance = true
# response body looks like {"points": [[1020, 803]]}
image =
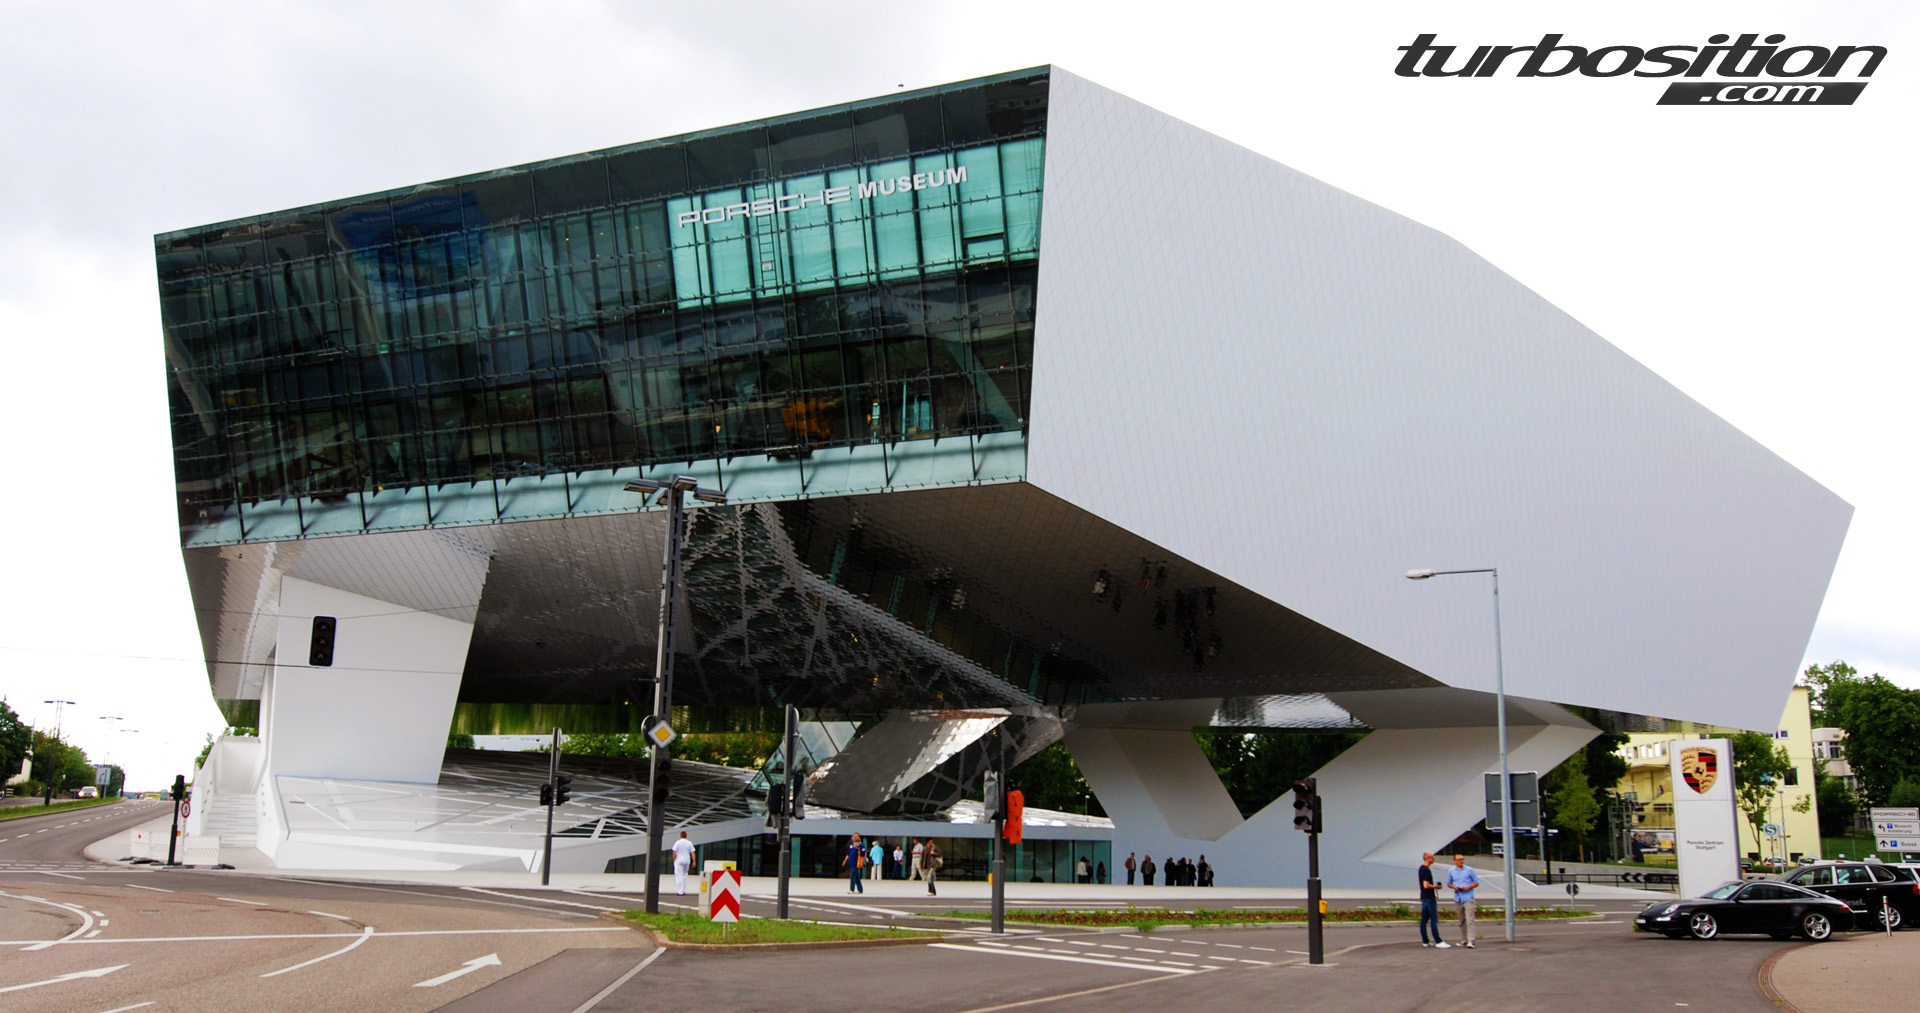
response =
{"points": [[864, 860], [1180, 871], [1463, 881]]}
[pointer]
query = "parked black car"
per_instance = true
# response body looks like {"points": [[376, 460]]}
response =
{"points": [[1775, 909], [1862, 885]]}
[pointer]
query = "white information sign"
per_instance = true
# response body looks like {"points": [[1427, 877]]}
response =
{"points": [[1706, 841]]}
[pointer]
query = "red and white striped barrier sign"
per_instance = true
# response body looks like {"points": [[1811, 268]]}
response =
{"points": [[723, 895]]}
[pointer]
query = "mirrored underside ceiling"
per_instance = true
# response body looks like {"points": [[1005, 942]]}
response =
{"points": [[981, 596]]}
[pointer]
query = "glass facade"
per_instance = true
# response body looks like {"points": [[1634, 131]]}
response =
{"points": [[856, 275]]}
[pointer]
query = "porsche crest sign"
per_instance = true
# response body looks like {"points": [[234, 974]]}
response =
{"points": [[1700, 767]]}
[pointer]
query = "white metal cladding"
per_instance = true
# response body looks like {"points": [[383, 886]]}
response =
{"points": [[1311, 395]]}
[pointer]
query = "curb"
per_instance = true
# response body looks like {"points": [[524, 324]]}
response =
{"points": [[1765, 977], [665, 942]]}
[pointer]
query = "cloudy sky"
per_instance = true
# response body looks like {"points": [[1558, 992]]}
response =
{"points": [[1761, 259]]}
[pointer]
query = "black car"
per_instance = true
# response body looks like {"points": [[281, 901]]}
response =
{"points": [[1864, 885], [1775, 909]]}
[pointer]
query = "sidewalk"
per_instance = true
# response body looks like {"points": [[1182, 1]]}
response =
{"points": [[1868, 972]]}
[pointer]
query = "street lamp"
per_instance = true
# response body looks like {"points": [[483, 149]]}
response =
{"points": [[670, 493], [58, 706], [1500, 713]]}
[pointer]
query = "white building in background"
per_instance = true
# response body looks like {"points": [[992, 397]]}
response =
{"points": [[1119, 430]]}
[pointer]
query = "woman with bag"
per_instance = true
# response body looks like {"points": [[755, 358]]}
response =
{"points": [[855, 860]]}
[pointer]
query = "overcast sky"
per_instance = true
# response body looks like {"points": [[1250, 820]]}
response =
{"points": [[1761, 259]]}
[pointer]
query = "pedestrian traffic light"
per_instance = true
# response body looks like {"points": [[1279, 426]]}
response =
{"points": [[562, 792], [991, 795], [320, 645], [179, 790], [662, 781], [1016, 815], [1306, 806], [546, 794]]}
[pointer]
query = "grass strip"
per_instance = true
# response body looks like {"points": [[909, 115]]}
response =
{"points": [[685, 927], [14, 812], [1150, 918]]}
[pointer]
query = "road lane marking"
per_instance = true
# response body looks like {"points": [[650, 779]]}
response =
{"points": [[452, 897], [1070, 958], [325, 914], [468, 967], [236, 900], [95, 932], [137, 1005], [95, 973], [86, 920], [540, 900], [617, 982], [136, 886], [62, 875], [41, 944], [365, 934]]}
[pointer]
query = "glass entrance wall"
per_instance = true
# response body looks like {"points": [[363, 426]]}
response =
{"points": [[857, 275]]}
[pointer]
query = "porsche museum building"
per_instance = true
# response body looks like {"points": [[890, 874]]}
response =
{"points": [[1041, 416]]}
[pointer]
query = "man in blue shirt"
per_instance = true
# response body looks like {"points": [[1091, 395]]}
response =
{"points": [[855, 860], [1462, 881]]}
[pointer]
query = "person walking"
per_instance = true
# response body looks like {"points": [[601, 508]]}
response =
{"points": [[1429, 904], [918, 858], [1146, 870], [1205, 871], [855, 860], [1081, 874], [682, 861], [1462, 880], [876, 860], [930, 865], [1131, 867], [1100, 873]]}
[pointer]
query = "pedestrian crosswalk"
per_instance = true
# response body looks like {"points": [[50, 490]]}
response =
{"points": [[1161, 955]]}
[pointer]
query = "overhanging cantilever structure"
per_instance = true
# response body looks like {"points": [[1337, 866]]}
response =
{"points": [[1029, 401]]}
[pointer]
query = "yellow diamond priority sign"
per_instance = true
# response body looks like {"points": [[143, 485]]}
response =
{"points": [[659, 732]]}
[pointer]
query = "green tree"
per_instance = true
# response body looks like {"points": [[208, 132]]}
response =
{"points": [[1882, 722], [1572, 804], [58, 765], [16, 737], [1837, 806], [1760, 768], [1905, 795], [1258, 767], [1049, 779], [1821, 681]]}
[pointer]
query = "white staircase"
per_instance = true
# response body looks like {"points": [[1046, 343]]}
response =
{"points": [[231, 818]]}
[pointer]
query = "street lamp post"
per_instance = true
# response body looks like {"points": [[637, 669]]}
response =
{"points": [[671, 493], [1500, 716], [58, 707]]}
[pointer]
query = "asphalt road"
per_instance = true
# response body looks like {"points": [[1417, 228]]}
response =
{"points": [[208, 940]]}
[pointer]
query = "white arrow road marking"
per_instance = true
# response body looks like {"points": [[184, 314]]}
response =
{"points": [[365, 934], [86, 920], [490, 960], [95, 973]]}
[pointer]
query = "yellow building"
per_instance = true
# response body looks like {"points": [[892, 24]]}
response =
{"points": [[1649, 784]]}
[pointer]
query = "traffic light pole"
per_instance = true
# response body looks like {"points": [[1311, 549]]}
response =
{"points": [[179, 792], [1316, 946], [663, 686], [791, 743], [553, 781]]}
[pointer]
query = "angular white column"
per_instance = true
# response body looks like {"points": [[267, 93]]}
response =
{"points": [[382, 710], [1413, 784]]}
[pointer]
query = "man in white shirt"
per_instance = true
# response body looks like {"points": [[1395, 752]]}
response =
{"points": [[682, 860], [918, 850]]}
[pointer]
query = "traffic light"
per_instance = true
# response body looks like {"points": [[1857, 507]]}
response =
{"points": [[562, 792], [800, 797], [1306, 806], [320, 645], [996, 801], [179, 790], [662, 781], [1016, 815], [776, 802], [546, 794]]}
